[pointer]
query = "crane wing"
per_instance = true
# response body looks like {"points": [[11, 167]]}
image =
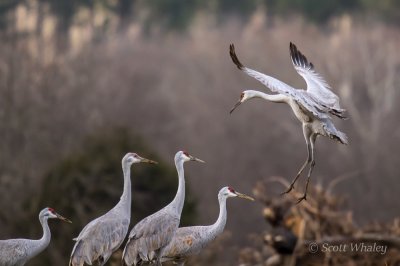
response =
{"points": [[149, 236], [278, 86], [317, 87], [187, 241], [100, 238], [273, 84], [13, 251]]}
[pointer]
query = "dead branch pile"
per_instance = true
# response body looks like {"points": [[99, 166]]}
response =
{"points": [[317, 231]]}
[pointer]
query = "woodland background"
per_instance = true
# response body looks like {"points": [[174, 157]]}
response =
{"points": [[84, 82]]}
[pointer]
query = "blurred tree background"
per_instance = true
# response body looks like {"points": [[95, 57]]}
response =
{"points": [[84, 82]]}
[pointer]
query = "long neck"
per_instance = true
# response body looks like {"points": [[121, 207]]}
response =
{"points": [[277, 98], [125, 201], [41, 244], [218, 227], [178, 201]]}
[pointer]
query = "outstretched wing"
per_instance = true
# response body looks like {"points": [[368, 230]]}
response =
{"points": [[272, 83], [278, 86], [149, 236], [317, 87]]}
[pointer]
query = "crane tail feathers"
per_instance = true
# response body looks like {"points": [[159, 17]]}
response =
{"points": [[130, 254], [335, 134], [140, 250], [339, 113], [76, 256], [339, 137], [80, 255], [233, 55], [342, 138]]}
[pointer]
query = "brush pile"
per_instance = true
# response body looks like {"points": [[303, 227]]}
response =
{"points": [[317, 231]]}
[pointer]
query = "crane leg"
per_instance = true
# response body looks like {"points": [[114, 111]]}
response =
{"points": [[307, 135], [312, 141], [158, 256], [103, 260]]}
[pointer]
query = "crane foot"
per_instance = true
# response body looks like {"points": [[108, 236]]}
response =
{"points": [[304, 197], [290, 188]]}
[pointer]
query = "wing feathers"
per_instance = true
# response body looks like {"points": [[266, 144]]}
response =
{"points": [[299, 59], [234, 57], [149, 236], [99, 238], [278, 86], [317, 88]]}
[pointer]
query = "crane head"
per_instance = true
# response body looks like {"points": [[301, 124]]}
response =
{"points": [[244, 96], [131, 158], [229, 192], [185, 156], [50, 213]]}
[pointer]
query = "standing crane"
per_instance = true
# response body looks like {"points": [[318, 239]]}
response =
{"points": [[192, 239], [104, 235], [150, 236], [16, 252], [312, 107]]}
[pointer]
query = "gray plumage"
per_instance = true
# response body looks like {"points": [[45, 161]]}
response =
{"points": [[312, 107], [104, 235], [151, 235], [16, 252], [191, 240]]}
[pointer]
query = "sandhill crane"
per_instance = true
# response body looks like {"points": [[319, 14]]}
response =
{"points": [[312, 106], [150, 236], [192, 239], [16, 252], [104, 235]]}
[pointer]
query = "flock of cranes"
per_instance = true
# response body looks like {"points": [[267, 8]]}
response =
{"points": [[158, 238]]}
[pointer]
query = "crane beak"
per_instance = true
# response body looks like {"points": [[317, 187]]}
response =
{"points": [[192, 158], [244, 196], [144, 160], [236, 105], [63, 218]]}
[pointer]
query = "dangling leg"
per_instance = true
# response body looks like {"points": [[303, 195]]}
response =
{"points": [[312, 141], [307, 134]]}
